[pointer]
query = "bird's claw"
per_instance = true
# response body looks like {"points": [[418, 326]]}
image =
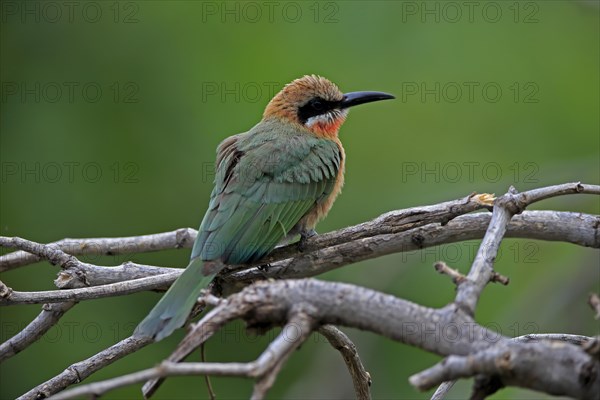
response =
{"points": [[263, 267], [304, 236]]}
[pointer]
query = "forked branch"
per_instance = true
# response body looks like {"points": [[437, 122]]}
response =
{"points": [[313, 306]]}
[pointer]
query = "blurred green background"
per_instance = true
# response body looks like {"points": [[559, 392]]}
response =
{"points": [[111, 113]]}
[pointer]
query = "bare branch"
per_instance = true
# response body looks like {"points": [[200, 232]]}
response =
{"points": [[479, 275], [75, 273], [41, 251], [360, 377], [444, 269], [442, 390], [473, 350], [95, 292], [544, 225], [592, 347], [575, 228], [81, 370], [50, 315], [276, 303], [180, 238], [513, 365], [388, 223], [198, 334], [497, 278], [264, 367], [94, 275], [505, 208], [391, 222], [532, 196], [294, 333], [166, 368], [578, 340]]}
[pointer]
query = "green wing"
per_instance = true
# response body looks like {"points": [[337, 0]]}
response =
{"points": [[264, 185]]}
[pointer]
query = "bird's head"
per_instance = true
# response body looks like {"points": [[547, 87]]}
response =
{"points": [[317, 104]]}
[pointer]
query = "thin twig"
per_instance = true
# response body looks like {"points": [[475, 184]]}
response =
{"points": [[442, 390], [481, 271], [77, 372], [293, 334], [578, 340], [391, 222], [527, 364], [165, 369], [198, 334], [444, 269], [49, 252], [50, 315], [401, 228], [388, 223], [501, 279], [505, 208], [543, 225], [276, 353], [361, 379], [95, 292], [180, 238], [209, 388]]}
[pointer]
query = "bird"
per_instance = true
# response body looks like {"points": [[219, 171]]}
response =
{"points": [[272, 183]]}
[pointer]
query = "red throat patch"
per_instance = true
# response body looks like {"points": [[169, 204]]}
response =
{"points": [[327, 129]]}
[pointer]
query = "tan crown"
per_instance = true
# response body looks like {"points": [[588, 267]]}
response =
{"points": [[298, 92]]}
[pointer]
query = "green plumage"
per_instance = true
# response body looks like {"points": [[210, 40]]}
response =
{"points": [[267, 180]]}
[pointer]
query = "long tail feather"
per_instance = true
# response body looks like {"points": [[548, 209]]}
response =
{"points": [[172, 310]]}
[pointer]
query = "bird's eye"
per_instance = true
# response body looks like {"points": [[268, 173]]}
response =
{"points": [[313, 107], [317, 105]]}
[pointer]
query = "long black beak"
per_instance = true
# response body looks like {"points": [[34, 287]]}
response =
{"points": [[355, 98]]}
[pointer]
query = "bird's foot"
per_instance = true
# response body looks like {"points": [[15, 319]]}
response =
{"points": [[263, 269], [304, 236]]}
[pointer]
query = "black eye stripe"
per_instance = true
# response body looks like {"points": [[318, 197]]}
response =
{"points": [[314, 107]]}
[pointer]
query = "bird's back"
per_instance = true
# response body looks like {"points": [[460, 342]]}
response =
{"points": [[267, 180]]}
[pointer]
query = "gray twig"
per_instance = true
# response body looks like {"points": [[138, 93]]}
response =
{"points": [[267, 304], [577, 340], [361, 379], [444, 269], [49, 316], [263, 369], [528, 364], [442, 390], [77, 372], [505, 208], [180, 238], [95, 292], [570, 227]]}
